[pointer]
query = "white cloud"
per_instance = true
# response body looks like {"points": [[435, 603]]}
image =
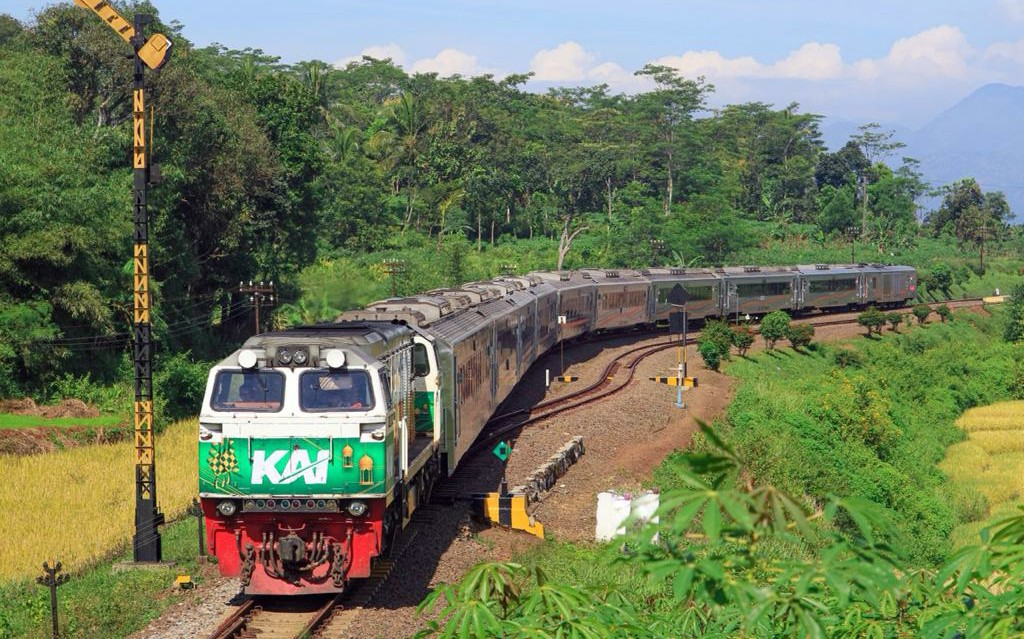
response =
{"points": [[449, 62], [812, 61], [1013, 9], [378, 51], [1005, 53], [941, 51], [568, 62], [712, 64]]}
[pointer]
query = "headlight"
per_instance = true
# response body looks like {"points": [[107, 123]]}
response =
{"points": [[227, 507], [357, 508], [300, 357], [284, 356]]}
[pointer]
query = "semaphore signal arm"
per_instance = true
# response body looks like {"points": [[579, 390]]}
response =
{"points": [[154, 52]]}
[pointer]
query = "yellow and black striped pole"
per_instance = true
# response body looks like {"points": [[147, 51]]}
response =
{"points": [[146, 542]]}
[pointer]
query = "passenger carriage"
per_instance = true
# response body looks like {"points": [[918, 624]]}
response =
{"points": [[830, 286], [702, 286], [756, 290]]}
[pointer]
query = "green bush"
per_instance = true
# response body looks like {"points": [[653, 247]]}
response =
{"points": [[895, 319], [717, 332], [179, 385], [873, 320], [847, 358], [774, 327], [711, 353], [921, 312], [800, 335], [742, 338], [1014, 331], [944, 312]]}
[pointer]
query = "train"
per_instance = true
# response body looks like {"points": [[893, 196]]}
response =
{"points": [[318, 443]]}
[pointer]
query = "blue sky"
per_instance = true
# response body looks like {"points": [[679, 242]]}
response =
{"points": [[900, 62]]}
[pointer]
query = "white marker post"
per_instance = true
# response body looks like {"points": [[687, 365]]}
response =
{"points": [[561, 347]]}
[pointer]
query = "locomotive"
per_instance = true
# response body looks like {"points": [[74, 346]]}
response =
{"points": [[318, 443]]}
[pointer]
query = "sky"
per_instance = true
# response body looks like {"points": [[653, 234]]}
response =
{"points": [[899, 62]]}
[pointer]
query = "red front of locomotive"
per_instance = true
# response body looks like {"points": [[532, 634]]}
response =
{"points": [[291, 546]]}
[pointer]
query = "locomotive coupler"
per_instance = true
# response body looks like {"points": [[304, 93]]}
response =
{"points": [[292, 549]]}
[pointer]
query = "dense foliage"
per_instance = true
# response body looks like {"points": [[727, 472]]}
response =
{"points": [[311, 176], [815, 510]]}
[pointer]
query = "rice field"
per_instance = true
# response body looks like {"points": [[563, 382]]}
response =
{"points": [[77, 505], [990, 462]]}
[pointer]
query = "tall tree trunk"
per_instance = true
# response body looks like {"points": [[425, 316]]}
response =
{"points": [[492, 232], [479, 232], [863, 205], [608, 186], [565, 241], [669, 187]]}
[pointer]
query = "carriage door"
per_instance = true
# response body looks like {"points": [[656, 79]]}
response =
{"points": [[732, 300]]}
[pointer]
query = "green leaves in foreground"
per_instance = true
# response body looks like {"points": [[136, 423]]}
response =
{"points": [[738, 559]]}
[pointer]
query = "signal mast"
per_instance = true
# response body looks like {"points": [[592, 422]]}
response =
{"points": [[152, 53]]}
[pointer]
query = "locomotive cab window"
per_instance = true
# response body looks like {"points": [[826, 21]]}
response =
{"points": [[248, 391], [420, 361], [326, 391]]}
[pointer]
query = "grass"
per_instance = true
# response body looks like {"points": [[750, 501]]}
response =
{"points": [[77, 505], [878, 429], [989, 464], [100, 602], [33, 421]]}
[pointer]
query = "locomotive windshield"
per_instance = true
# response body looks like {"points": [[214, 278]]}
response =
{"points": [[321, 391], [256, 391]]}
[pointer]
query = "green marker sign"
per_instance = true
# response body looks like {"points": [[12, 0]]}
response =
{"points": [[502, 451]]}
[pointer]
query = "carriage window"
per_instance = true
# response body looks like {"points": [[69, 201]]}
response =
{"points": [[750, 290], [249, 391], [323, 391], [776, 288], [420, 361], [829, 286]]}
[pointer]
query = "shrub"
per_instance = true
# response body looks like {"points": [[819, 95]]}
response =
{"points": [[1014, 331], [711, 354], [800, 335], [894, 319], [944, 312], [873, 320], [742, 338], [847, 358], [774, 327], [718, 333], [180, 383], [921, 312], [941, 278]]}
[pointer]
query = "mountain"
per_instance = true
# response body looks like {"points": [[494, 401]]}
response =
{"points": [[981, 136]]}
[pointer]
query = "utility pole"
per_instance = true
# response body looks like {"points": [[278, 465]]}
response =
{"points": [[851, 232], [259, 294], [394, 268]]}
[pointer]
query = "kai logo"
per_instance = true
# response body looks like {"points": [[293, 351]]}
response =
{"points": [[267, 466]]}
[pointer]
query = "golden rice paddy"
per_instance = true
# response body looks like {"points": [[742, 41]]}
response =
{"points": [[77, 505], [991, 461]]}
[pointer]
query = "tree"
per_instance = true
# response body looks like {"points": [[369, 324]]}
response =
{"points": [[873, 320], [975, 218], [742, 338], [944, 312], [774, 326], [894, 318], [665, 113], [800, 335], [876, 145], [921, 312]]}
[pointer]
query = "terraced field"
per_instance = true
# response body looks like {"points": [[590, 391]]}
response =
{"points": [[991, 462]]}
